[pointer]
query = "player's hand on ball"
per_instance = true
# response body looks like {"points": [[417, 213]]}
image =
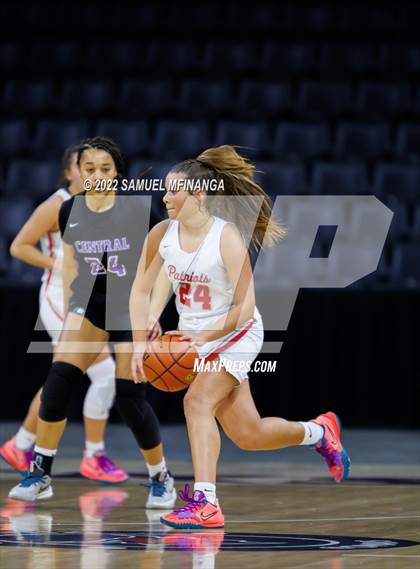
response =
{"points": [[137, 370], [194, 338]]}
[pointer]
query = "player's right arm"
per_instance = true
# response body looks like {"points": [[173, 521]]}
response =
{"points": [[70, 267], [148, 269], [160, 294], [42, 220]]}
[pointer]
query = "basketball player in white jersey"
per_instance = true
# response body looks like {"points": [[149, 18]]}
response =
{"points": [[206, 260], [42, 227]]}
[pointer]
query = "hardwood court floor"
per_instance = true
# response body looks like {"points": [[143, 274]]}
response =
{"points": [[286, 515]]}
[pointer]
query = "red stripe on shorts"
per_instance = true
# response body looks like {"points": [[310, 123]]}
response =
{"points": [[213, 355]]}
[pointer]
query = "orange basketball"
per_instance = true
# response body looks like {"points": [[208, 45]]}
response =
{"points": [[168, 363]]}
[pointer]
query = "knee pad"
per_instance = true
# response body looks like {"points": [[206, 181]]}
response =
{"points": [[101, 393], [57, 391], [138, 413]]}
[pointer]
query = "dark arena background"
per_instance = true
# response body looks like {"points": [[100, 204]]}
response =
{"points": [[324, 97]]}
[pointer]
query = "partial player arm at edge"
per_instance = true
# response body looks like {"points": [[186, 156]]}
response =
{"points": [[42, 220]]}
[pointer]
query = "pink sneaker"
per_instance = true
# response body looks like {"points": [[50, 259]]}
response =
{"points": [[197, 514], [330, 447], [102, 469], [18, 459]]}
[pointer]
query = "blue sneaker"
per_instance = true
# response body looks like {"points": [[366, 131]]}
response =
{"points": [[36, 486], [162, 493]]}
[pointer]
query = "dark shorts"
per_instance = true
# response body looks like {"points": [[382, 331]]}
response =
{"points": [[95, 313]]}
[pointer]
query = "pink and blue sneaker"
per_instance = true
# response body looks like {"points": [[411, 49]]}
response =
{"points": [[330, 447], [197, 514]]}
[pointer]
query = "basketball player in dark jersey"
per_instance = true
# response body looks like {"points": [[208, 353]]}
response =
{"points": [[102, 240], [42, 228]]}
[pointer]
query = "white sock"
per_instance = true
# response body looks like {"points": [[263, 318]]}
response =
{"points": [[24, 440], [156, 468], [45, 451], [92, 448], [208, 489], [313, 433]]}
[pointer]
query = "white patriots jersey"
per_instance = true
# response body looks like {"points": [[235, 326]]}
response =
{"points": [[199, 280], [52, 246]]}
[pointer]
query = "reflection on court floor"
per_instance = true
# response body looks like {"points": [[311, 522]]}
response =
{"points": [[106, 528]]}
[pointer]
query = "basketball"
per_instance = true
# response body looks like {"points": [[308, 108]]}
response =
{"points": [[168, 363]]}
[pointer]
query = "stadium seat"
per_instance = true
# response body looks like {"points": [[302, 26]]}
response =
{"points": [[403, 58], [263, 99], [270, 17], [145, 98], [405, 265], [14, 137], [128, 55], [303, 141], [408, 141], [132, 137], [23, 272], [416, 225], [53, 137], [347, 59], [202, 99], [400, 227], [67, 55], [28, 96], [12, 55], [291, 58], [364, 141], [31, 179], [176, 56], [149, 169], [253, 137], [83, 97], [13, 214], [379, 98], [281, 179], [152, 169], [417, 101], [4, 258], [339, 178], [179, 140], [399, 180], [318, 17], [147, 15], [61, 55], [236, 56], [317, 99]]}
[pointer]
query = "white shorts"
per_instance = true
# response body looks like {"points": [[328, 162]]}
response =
{"points": [[236, 350], [51, 310]]}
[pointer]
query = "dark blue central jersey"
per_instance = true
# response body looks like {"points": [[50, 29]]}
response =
{"points": [[107, 247]]}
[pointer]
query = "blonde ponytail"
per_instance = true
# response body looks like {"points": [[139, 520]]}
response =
{"points": [[236, 172]]}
